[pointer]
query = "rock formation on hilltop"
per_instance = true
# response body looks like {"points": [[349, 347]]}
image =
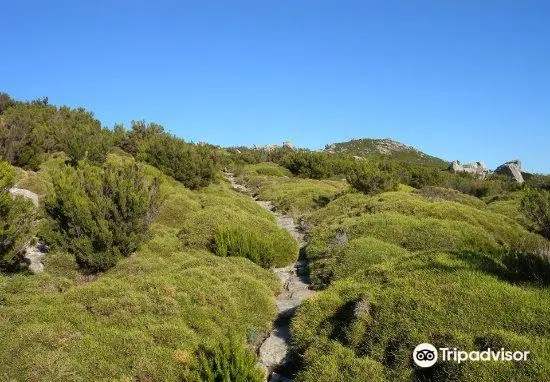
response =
{"points": [[476, 168], [511, 169], [286, 144]]}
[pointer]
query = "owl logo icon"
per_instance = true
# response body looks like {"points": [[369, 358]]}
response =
{"points": [[425, 355]]}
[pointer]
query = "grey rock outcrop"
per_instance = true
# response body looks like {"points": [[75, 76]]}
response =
{"points": [[289, 145], [34, 254], [272, 147], [511, 169], [476, 168], [26, 194]]}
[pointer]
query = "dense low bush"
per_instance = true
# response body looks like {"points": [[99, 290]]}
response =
{"points": [[193, 165], [146, 318], [30, 130], [372, 178], [101, 214], [268, 169], [266, 251], [536, 206], [316, 165], [16, 216], [229, 362]]}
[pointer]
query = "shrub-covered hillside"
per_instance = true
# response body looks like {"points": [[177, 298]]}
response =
{"points": [[403, 267], [126, 255], [149, 316], [135, 284], [385, 147]]}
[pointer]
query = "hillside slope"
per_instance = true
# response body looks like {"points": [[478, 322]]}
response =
{"points": [[148, 317], [404, 267], [386, 148]]}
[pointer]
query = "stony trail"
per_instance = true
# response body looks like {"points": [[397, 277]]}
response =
{"points": [[275, 355]]}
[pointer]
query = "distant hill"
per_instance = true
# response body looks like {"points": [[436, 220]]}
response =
{"points": [[387, 148]]}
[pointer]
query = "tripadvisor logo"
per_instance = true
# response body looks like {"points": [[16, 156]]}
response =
{"points": [[426, 355]]}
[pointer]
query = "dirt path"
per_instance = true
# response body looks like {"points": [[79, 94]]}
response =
{"points": [[275, 354]]}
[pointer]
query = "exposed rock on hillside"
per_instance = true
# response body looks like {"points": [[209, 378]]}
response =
{"points": [[476, 168], [289, 145], [34, 253], [26, 194], [511, 169], [286, 144]]}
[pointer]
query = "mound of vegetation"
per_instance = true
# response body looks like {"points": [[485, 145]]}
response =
{"points": [[403, 267], [293, 195], [377, 315], [233, 225], [154, 315]]}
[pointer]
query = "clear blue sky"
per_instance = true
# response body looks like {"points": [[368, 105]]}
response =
{"points": [[459, 79]]}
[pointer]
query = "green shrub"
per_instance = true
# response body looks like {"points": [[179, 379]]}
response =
{"points": [[371, 179], [538, 181], [291, 195], [440, 193], [361, 253], [193, 165], [536, 206], [219, 208], [269, 169], [26, 133], [101, 214], [316, 165], [31, 130], [5, 102], [491, 185], [16, 216], [237, 241], [419, 177], [80, 136], [329, 361], [229, 362]]}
